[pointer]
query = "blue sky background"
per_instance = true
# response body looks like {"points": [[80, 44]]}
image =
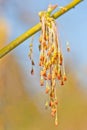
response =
{"points": [[22, 15]]}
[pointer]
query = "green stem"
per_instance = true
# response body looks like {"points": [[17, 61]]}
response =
{"points": [[66, 8], [35, 29], [19, 40]]}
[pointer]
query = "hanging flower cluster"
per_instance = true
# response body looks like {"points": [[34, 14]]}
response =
{"points": [[51, 61]]}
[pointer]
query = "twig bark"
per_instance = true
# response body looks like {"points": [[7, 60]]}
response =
{"points": [[35, 29]]}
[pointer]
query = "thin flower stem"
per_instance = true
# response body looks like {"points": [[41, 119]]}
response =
{"points": [[66, 8], [35, 29]]}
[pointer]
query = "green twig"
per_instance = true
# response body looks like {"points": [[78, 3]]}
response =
{"points": [[35, 29]]}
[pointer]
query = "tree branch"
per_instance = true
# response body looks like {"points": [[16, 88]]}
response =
{"points": [[35, 29]]}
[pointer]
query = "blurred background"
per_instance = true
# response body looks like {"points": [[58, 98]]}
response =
{"points": [[21, 97]]}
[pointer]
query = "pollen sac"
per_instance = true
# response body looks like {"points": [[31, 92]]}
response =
{"points": [[68, 46], [32, 71], [41, 82], [64, 77], [32, 62], [47, 90]]}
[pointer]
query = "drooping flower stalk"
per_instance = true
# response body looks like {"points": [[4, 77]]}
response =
{"points": [[67, 46], [51, 61], [31, 56]]}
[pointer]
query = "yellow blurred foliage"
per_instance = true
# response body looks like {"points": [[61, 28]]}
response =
{"points": [[15, 106], [4, 32]]}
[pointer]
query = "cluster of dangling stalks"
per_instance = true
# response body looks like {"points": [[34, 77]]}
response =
{"points": [[51, 61]]}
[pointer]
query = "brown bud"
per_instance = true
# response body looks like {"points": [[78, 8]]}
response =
{"points": [[52, 94], [47, 90], [41, 57], [33, 62], [62, 82], [68, 48], [32, 71], [42, 82], [58, 76], [49, 76], [64, 77], [43, 73]]}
